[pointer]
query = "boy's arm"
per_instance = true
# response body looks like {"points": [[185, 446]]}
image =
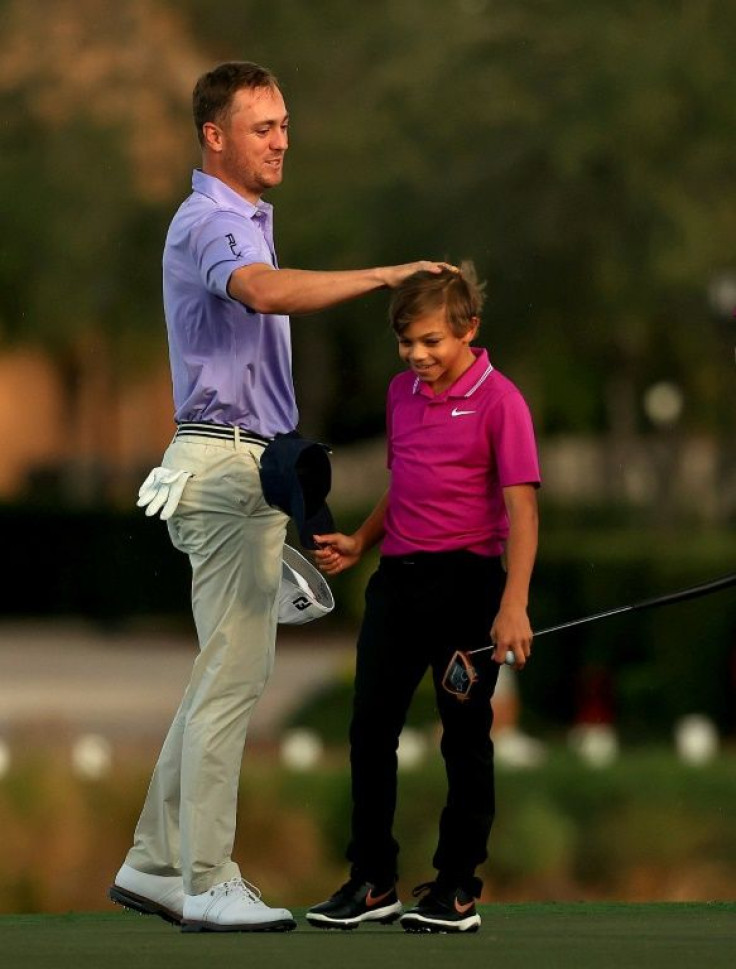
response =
{"points": [[511, 628], [372, 530], [340, 552]]}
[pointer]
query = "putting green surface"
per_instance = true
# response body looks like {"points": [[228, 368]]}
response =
{"points": [[538, 936]]}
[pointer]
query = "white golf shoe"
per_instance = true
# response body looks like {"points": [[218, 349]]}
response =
{"points": [[233, 906], [161, 895]]}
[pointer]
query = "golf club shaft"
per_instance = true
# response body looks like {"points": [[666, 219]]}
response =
{"points": [[706, 588]]}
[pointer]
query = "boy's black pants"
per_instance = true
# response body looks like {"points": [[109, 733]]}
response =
{"points": [[419, 610]]}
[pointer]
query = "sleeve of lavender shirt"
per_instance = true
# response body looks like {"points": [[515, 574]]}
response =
{"points": [[223, 243]]}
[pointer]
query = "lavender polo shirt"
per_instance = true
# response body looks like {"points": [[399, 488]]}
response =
{"points": [[450, 456], [229, 364]]}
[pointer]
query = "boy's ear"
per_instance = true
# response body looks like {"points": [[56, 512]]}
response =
{"points": [[473, 329]]}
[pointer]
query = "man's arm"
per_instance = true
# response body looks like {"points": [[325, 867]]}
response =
{"points": [[293, 291], [511, 628]]}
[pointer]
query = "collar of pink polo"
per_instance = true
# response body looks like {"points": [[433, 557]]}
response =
{"points": [[466, 384]]}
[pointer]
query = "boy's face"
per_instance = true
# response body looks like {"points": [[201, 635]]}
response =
{"points": [[433, 352]]}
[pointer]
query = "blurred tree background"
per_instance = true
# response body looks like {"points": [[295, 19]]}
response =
{"points": [[581, 155]]}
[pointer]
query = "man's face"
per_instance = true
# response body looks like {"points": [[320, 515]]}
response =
{"points": [[248, 150]]}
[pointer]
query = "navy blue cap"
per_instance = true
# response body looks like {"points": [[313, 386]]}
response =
{"points": [[296, 477]]}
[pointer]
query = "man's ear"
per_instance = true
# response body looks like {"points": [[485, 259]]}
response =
{"points": [[212, 135]]}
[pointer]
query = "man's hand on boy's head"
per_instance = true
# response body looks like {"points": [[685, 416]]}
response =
{"points": [[395, 275]]}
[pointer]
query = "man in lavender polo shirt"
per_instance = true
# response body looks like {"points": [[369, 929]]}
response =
{"points": [[227, 306], [230, 364]]}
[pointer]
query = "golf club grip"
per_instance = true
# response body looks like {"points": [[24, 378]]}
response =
{"points": [[706, 588]]}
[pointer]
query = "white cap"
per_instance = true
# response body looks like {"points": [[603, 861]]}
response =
{"points": [[304, 594]]}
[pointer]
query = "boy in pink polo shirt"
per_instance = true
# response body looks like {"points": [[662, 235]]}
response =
{"points": [[458, 534]]}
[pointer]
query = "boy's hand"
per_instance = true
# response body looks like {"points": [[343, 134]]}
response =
{"points": [[512, 630], [336, 552]]}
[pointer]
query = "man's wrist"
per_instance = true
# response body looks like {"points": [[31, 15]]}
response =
{"points": [[381, 277]]}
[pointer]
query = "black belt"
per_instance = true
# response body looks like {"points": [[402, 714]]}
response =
{"points": [[220, 432]]}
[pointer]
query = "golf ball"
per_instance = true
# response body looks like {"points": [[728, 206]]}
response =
{"points": [[510, 658]]}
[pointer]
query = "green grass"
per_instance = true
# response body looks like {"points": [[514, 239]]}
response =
{"points": [[538, 936]]}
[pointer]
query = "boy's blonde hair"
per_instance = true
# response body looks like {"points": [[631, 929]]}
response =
{"points": [[457, 290]]}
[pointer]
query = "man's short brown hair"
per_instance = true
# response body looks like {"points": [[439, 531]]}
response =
{"points": [[457, 290], [213, 93]]}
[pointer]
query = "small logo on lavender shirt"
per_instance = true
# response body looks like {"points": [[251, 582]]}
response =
{"points": [[233, 245]]}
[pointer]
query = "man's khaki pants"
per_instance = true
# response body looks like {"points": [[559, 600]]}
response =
{"points": [[234, 542]]}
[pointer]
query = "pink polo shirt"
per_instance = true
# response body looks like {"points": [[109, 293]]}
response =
{"points": [[450, 456]]}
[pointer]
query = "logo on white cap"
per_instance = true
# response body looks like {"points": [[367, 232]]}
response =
{"points": [[304, 594]]}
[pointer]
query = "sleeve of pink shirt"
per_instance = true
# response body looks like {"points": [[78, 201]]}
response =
{"points": [[514, 442]]}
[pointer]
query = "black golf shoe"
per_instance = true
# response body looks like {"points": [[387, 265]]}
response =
{"points": [[355, 902], [441, 910]]}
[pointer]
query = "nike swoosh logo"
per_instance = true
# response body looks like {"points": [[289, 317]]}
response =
{"points": [[459, 413], [462, 909], [371, 899]]}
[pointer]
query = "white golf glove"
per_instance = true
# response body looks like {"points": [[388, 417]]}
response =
{"points": [[162, 489]]}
